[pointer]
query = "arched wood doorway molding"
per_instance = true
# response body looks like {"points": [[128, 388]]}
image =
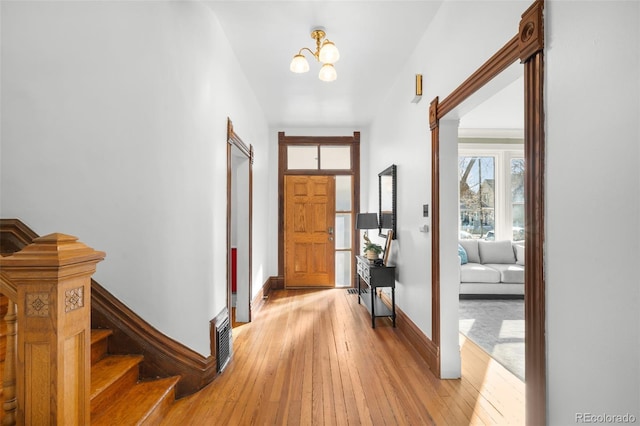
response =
{"points": [[528, 47], [247, 150]]}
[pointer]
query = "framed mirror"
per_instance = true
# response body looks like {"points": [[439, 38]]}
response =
{"points": [[387, 201]]}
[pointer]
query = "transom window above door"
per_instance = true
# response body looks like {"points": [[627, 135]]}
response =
{"points": [[319, 157]]}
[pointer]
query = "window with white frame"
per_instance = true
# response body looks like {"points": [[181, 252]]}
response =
{"points": [[491, 195]]}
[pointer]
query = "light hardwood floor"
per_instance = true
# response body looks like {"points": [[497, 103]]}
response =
{"points": [[312, 358]]}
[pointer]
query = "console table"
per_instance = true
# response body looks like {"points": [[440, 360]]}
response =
{"points": [[373, 277]]}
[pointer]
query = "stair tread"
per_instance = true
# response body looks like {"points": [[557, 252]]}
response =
{"points": [[98, 334], [135, 405], [109, 369]]}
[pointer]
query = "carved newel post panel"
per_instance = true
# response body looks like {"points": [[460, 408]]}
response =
{"points": [[52, 279]]}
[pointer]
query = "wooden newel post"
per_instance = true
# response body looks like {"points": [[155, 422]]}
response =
{"points": [[52, 278]]}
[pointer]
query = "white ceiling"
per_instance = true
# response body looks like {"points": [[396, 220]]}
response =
{"points": [[266, 34], [501, 115]]}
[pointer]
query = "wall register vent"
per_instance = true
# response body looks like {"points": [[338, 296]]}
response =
{"points": [[223, 341]]}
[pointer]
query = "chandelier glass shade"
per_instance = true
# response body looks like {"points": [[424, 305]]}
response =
{"points": [[299, 64], [327, 73], [329, 53], [326, 52]]}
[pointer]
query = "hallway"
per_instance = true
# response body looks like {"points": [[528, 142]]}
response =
{"points": [[311, 357]]}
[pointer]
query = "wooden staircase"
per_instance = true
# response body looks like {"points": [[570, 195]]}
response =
{"points": [[109, 385], [118, 397]]}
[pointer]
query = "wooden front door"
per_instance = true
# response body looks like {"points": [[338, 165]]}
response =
{"points": [[309, 217]]}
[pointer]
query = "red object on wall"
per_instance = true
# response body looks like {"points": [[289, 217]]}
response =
{"points": [[234, 270]]}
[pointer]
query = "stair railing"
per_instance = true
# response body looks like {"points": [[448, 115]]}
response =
{"points": [[48, 352]]}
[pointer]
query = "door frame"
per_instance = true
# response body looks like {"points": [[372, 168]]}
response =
{"points": [[247, 150], [285, 141], [527, 46]]}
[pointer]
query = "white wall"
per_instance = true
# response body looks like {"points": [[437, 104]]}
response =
{"points": [[114, 130], [446, 55], [450, 361], [593, 186], [593, 209]]}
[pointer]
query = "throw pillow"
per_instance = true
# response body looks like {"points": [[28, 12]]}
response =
{"points": [[470, 246], [496, 252], [520, 255], [463, 255]]}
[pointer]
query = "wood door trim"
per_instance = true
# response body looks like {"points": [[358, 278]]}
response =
{"points": [[528, 46], [283, 142], [234, 140], [317, 140], [535, 296], [499, 62]]}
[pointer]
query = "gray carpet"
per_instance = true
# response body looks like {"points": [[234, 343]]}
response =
{"points": [[497, 326]]}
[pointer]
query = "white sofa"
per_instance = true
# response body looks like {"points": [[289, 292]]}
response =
{"points": [[492, 268]]}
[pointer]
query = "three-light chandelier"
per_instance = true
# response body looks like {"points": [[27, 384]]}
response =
{"points": [[326, 53]]}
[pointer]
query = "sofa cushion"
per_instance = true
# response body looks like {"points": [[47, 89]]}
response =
{"points": [[519, 254], [471, 247], [509, 273], [491, 288], [478, 273], [496, 252], [462, 254]]}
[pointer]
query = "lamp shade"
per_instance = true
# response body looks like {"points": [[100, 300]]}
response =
{"points": [[299, 64], [366, 221], [327, 73], [329, 53]]}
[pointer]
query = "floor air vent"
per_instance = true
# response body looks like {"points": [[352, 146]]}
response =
{"points": [[355, 291], [223, 341]]}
